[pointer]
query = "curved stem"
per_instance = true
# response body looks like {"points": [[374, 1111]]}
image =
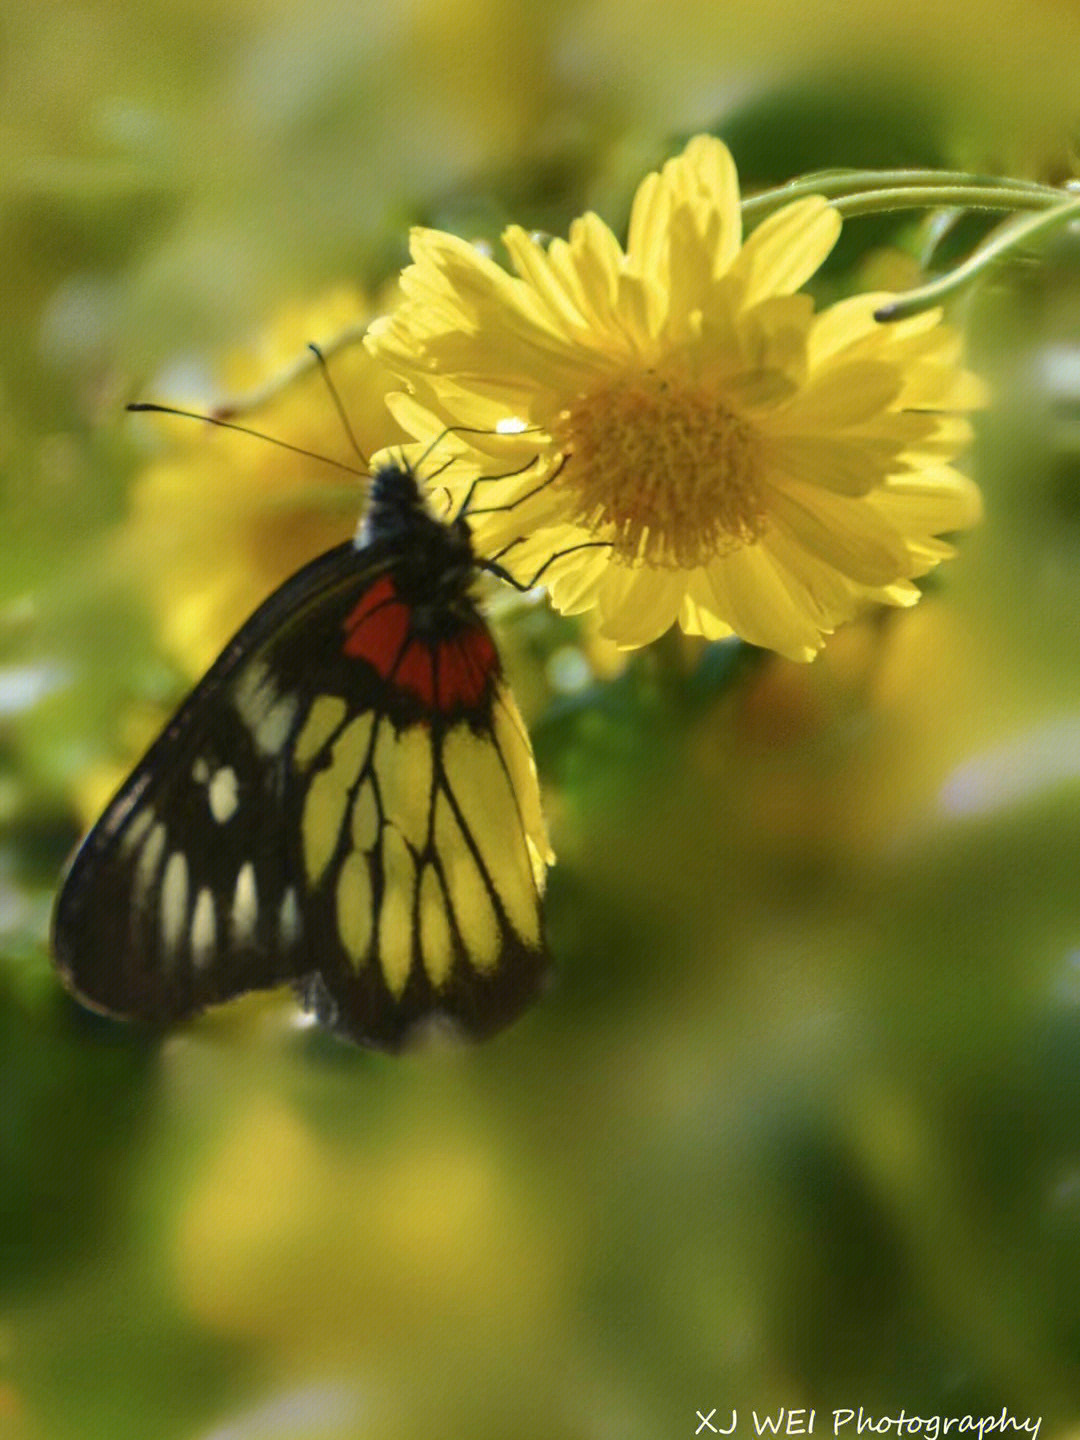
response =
{"points": [[991, 197], [838, 183], [993, 249]]}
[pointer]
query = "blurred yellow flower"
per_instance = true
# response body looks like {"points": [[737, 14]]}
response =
{"points": [[268, 1245], [705, 448], [222, 519]]}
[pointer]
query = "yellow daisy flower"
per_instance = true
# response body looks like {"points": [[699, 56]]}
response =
{"points": [[706, 450], [222, 519]]}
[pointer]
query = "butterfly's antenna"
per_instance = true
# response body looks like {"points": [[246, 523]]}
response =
{"points": [[143, 408], [472, 430], [447, 430], [338, 406]]}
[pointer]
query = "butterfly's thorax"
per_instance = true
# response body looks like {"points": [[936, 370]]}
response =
{"points": [[432, 563]]}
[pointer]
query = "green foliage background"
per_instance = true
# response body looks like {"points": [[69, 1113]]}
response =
{"points": [[799, 1123]]}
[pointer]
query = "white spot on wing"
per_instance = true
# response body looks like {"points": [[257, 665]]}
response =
{"points": [[289, 923], [253, 694], [200, 771], [146, 867], [266, 714], [136, 831], [245, 906], [174, 898], [222, 794], [203, 929], [273, 729]]}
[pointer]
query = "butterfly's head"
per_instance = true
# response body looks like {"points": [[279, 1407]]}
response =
{"points": [[396, 505], [434, 559], [394, 493]]}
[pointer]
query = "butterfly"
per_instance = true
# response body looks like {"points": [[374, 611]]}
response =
{"points": [[347, 801]]}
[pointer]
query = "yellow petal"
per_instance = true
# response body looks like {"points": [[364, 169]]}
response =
{"points": [[534, 265], [827, 597], [698, 614], [842, 324], [843, 532], [575, 587], [646, 246], [637, 606], [705, 177], [847, 466], [750, 596], [931, 503], [786, 249], [840, 396], [598, 258], [772, 334]]}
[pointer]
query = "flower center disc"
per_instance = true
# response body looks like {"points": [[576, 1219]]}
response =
{"points": [[667, 467]]}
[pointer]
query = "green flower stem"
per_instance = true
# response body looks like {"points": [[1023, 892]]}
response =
{"points": [[838, 184], [902, 197], [875, 192], [1005, 239]]}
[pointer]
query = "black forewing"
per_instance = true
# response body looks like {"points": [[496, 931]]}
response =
{"points": [[124, 931]]}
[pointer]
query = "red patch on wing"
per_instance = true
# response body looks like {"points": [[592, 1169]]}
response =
{"points": [[464, 666], [416, 673], [445, 677], [377, 627]]}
